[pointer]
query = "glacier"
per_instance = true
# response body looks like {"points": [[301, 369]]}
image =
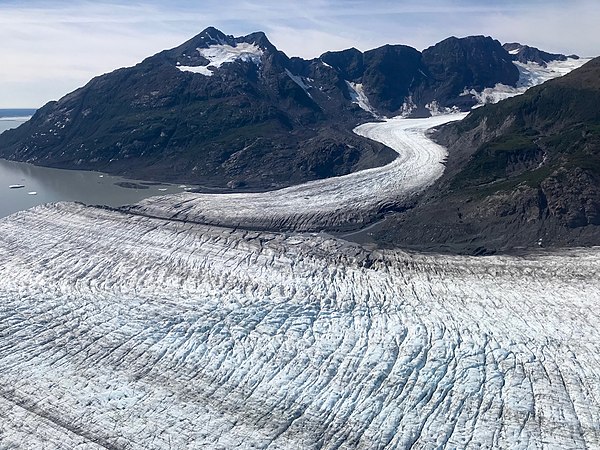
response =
{"points": [[346, 201], [129, 332], [183, 322]]}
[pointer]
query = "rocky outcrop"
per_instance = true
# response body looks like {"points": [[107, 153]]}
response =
{"points": [[522, 173], [458, 65], [401, 80], [526, 54]]}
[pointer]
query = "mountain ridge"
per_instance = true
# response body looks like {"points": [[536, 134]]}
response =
{"points": [[522, 173], [231, 111]]}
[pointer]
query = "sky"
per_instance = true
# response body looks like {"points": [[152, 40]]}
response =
{"points": [[49, 48]]}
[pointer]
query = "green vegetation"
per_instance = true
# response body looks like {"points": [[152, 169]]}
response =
{"points": [[531, 179], [558, 121], [493, 160]]}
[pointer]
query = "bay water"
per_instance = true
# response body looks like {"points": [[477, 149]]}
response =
{"points": [[44, 185]]}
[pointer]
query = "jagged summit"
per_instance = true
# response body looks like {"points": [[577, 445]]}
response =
{"points": [[212, 36], [526, 54], [208, 51]]}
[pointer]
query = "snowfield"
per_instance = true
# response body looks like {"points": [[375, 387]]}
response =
{"points": [[217, 55], [350, 200], [358, 96], [127, 332], [530, 75]]}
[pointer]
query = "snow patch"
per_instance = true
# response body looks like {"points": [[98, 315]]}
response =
{"points": [[408, 107], [494, 95], [436, 110], [530, 74], [218, 55], [299, 81], [358, 96]]}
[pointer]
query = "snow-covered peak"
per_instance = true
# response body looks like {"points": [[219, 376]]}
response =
{"points": [[223, 53]]}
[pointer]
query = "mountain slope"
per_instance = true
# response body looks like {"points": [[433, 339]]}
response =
{"points": [[226, 111], [456, 65], [523, 172], [245, 122], [400, 80], [526, 54]]}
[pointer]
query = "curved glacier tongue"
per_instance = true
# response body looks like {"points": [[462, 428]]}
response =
{"points": [[348, 201]]}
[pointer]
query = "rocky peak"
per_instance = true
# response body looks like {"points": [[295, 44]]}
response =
{"points": [[213, 48], [473, 60], [526, 54], [260, 39], [349, 63], [391, 74], [207, 38], [212, 36]]}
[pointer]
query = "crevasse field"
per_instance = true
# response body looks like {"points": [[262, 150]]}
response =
{"points": [[145, 329]]}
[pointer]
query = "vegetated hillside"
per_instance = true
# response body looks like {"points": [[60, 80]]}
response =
{"points": [[225, 111], [522, 173]]}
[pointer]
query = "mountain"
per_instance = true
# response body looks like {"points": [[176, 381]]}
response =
{"points": [[521, 173], [400, 80], [456, 65], [225, 111], [243, 120], [526, 54]]}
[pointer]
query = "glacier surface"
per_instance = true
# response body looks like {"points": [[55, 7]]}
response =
{"points": [[349, 200], [128, 332], [530, 74], [154, 328]]}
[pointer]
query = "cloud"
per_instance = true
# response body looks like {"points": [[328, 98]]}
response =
{"points": [[51, 48]]}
